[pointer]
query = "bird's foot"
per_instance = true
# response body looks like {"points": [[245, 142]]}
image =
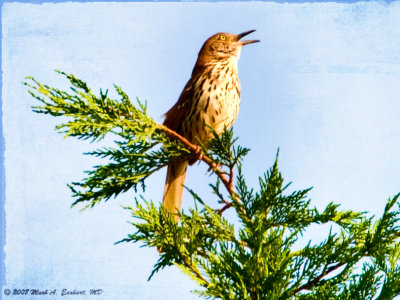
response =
{"points": [[195, 156]]}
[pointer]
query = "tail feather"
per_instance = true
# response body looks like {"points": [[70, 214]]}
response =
{"points": [[174, 186]]}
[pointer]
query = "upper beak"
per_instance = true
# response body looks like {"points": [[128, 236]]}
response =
{"points": [[246, 41]]}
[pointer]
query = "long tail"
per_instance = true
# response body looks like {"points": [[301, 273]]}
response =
{"points": [[174, 186]]}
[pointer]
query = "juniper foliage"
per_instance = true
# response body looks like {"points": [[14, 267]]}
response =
{"points": [[254, 257]]}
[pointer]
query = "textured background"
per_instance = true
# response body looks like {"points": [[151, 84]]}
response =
{"points": [[323, 85]]}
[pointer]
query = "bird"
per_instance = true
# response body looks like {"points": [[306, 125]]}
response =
{"points": [[211, 97]]}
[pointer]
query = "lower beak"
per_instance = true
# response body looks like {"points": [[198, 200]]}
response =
{"points": [[246, 42]]}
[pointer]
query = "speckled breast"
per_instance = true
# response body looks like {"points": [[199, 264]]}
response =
{"points": [[216, 100]]}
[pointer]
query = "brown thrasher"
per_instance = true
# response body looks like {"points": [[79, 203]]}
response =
{"points": [[211, 97]]}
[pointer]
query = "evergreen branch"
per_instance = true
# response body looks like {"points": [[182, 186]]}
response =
{"points": [[92, 116]]}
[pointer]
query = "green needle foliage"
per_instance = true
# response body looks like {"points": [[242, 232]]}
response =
{"points": [[138, 139], [255, 256]]}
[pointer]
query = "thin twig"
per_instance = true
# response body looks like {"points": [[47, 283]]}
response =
{"points": [[231, 175], [189, 265], [317, 279], [227, 205]]}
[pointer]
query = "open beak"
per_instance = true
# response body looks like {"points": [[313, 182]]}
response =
{"points": [[246, 42]]}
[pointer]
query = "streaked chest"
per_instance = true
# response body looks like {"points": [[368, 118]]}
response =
{"points": [[216, 100]]}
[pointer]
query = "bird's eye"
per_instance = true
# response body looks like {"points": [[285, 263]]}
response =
{"points": [[222, 37]]}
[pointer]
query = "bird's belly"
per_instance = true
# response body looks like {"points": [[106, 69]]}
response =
{"points": [[223, 111]]}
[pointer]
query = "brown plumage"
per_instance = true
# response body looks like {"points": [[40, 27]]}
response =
{"points": [[211, 97]]}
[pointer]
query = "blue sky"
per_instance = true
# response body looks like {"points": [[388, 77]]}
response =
{"points": [[322, 85]]}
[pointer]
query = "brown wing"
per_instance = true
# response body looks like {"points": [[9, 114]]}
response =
{"points": [[175, 116]]}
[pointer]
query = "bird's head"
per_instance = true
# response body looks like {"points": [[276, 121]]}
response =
{"points": [[224, 45]]}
